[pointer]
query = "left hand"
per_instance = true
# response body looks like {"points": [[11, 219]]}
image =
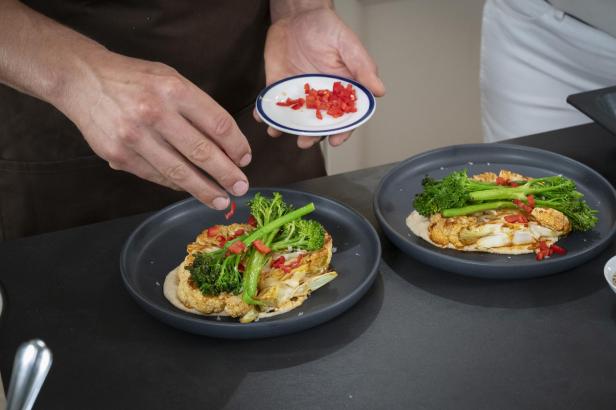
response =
{"points": [[317, 41]]}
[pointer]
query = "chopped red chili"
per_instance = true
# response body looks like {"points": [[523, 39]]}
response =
{"points": [[337, 102], [278, 262], [531, 200], [513, 184], [558, 249], [261, 247], [237, 247], [238, 233], [231, 212], [221, 240], [212, 231], [502, 181], [252, 221]]}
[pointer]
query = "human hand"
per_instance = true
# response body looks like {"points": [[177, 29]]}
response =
{"points": [[317, 41], [145, 118]]}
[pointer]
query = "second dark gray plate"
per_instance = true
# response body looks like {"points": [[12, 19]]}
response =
{"points": [[394, 197]]}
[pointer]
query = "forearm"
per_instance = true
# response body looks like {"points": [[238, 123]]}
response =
{"points": [[38, 56], [287, 8]]}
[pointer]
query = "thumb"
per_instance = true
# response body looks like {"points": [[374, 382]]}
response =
{"points": [[359, 63]]}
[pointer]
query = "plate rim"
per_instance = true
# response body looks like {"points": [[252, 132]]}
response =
{"points": [[318, 133], [243, 329], [426, 255]]}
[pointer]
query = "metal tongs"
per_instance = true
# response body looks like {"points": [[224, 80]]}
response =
{"points": [[32, 363]]}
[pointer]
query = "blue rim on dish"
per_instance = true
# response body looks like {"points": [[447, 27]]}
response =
{"points": [[158, 244], [395, 193], [281, 127]]}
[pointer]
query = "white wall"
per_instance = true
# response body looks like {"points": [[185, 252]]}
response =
{"points": [[428, 57]]}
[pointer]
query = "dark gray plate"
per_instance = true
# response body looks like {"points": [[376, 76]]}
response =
{"points": [[394, 197], [159, 244], [600, 105]]}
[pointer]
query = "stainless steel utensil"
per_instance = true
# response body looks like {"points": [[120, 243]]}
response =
{"points": [[32, 363]]}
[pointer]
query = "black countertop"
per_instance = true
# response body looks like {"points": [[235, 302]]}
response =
{"points": [[420, 339]]}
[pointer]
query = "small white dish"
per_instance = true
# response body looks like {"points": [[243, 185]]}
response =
{"points": [[304, 120], [610, 272]]}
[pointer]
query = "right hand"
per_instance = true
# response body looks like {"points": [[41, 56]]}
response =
{"points": [[145, 118]]}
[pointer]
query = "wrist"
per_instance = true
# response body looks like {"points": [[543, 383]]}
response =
{"points": [[76, 79], [281, 9]]}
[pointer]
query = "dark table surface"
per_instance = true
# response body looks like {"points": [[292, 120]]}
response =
{"points": [[420, 339]]}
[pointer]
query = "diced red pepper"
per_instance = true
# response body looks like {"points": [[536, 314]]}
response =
{"points": [[261, 247], [241, 267], [558, 249], [252, 221], [221, 240], [501, 181], [513, 184], [540, 255], [231, 212], [531, 200], [335, 103], [511, 218], [522, 206], [543, 246], [238, 233], [237, 247], [278, 262], [212, 231]]}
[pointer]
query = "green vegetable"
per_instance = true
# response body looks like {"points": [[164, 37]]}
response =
{"points": [[300, 234], [214, 274], [458, 195]]}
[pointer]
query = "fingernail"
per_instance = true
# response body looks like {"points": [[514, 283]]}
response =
{"points": [[221, 203], [240, 188], [245, 160]]}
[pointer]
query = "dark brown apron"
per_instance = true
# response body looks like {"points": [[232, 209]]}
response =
{"points": [[49, 177]]}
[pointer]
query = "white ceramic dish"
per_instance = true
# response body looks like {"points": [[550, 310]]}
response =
{"points": [[610, 272], [304, 121]]}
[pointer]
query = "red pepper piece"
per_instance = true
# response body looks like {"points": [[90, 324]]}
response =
{"points": [[238, 233], [231, 212], [252, 221], [221, 240], [531, 200], [319, 116], [558, 249], [241, 267], [501, 181], [261, 247], [540, 255], [212, 231], [237, 247], [511, 218], [296, 262], [278, 262], [543, 246], [513, 184]]}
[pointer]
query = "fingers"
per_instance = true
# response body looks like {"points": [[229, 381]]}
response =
{"points": [[339, 139], [177, 170], [305, 142], [270, 131], [204, 153], [210, 118], [360, 64], [138, 166]]}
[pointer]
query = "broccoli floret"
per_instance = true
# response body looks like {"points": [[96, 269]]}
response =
{"points": [[302, 234], [213, 273]]}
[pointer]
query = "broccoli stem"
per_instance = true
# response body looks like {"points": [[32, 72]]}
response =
{"points": [[254, 265], [471, 209], [511, 193]]}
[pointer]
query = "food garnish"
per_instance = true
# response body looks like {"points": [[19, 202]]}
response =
{"points": [[337, 102]]}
